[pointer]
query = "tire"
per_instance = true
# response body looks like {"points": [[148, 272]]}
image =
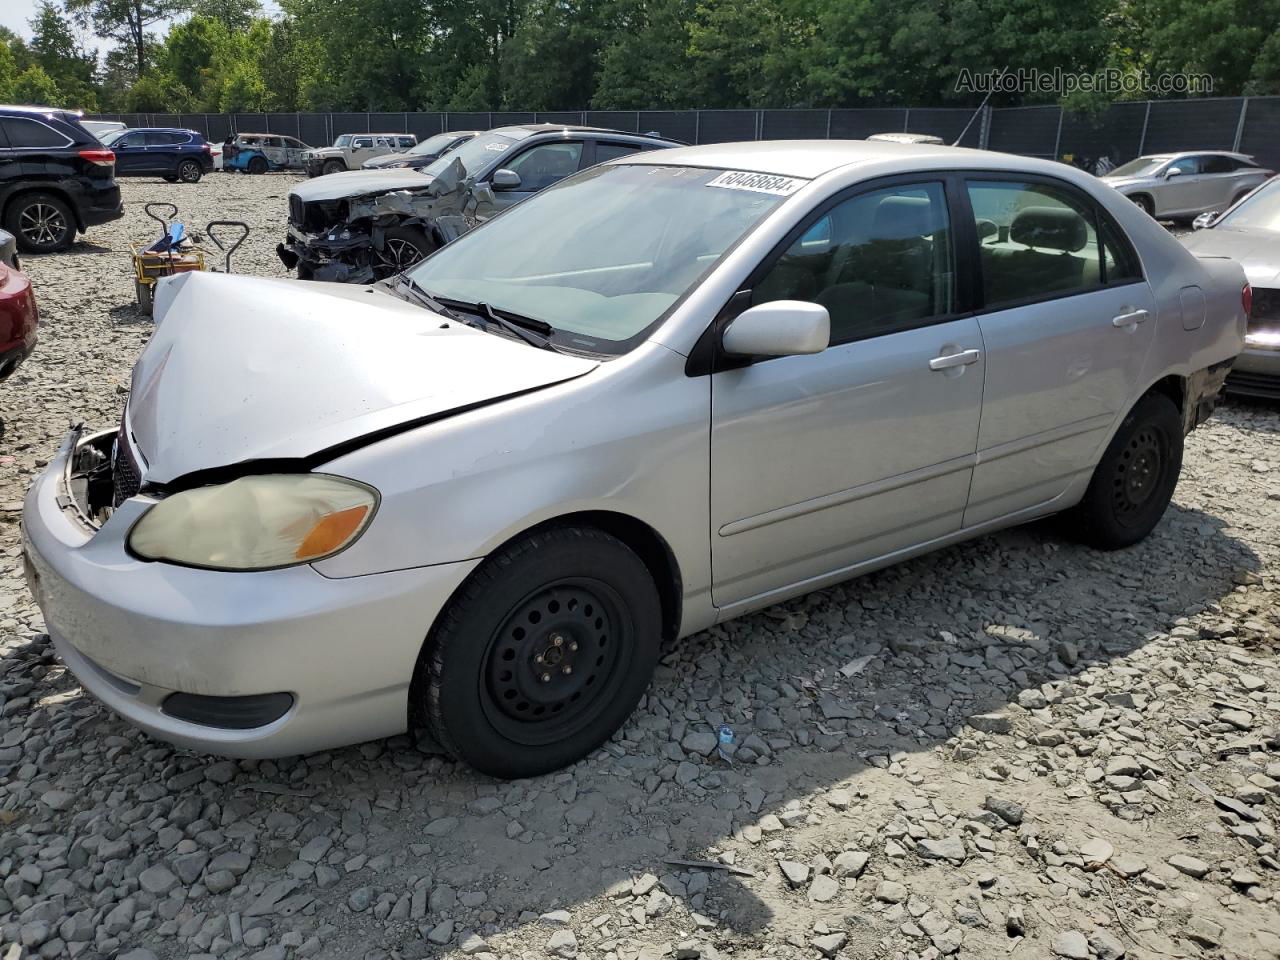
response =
{"points": [[143, 292], [496, 681], [42, 222], [189, 171], [1145, 204], [332, 166], [402, 247], [1134, 481], [257, 165]]}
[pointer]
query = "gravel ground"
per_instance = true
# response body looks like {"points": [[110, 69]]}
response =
{"points": [[1013, 748]]}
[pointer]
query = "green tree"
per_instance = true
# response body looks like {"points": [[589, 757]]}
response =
{"points": [[645, 63], [57, 50], [36, 87], [125, 21], [235, 14]]}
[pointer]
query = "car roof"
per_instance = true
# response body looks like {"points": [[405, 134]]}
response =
{"points": [[1173, 154], [21, 108], [576, 128], [812, 158], [163, 130]]}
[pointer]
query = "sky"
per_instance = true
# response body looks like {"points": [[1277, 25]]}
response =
{"points": [[14, 14]]}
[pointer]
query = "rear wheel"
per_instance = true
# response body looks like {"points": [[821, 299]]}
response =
{"points": [[42, 223], [542, 653], [333, 166], [1134, 481], [402, 247], [258, 165], [189, 171], [143, 292]]}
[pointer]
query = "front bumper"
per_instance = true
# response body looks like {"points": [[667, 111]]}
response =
{"points": [[1256, 374], [317, 257], [135, 633]]}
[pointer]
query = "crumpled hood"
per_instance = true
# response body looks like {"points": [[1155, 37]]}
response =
{"points": [[355, 183], [250, 368], [387, 159], [1258, 251]]}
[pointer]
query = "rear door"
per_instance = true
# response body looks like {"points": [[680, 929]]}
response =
{"points": [[162, 151], [1067, 321]]}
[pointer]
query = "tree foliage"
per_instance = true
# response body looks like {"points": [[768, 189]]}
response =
{"points": [[465, 55]]}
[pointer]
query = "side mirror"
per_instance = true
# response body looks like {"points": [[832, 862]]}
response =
{"points": [[1172, 172], [781, 328], [505, 179]]}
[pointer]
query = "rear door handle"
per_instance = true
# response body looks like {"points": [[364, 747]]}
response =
{"points": [[1130, 318], [961, 359]]}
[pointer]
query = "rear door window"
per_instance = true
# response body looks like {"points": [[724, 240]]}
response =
{"points": [[26, 132], [611, 151], [1217, 164]]}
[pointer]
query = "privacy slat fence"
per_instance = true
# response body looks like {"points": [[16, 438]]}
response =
{"points": [[1121, 132]]}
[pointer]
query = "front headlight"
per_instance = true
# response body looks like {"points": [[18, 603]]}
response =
{"points": [[256, 523]]}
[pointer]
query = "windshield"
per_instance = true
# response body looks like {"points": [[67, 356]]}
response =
{"points": [[602, 256], [343, 141], [1260, 212], [1142, 167], [432, 145], [474, 154]]}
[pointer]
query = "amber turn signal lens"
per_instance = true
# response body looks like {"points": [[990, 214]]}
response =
{"points": [[331, 532]]}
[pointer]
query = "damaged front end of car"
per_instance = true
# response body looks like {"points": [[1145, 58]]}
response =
{"points": [[345, 240]]}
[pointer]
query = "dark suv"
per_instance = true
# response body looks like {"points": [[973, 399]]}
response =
{"points": [[168, 152], [56, 178]]}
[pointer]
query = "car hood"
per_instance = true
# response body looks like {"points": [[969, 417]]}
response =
{"points": [[1258, 251], [323, 152], [246, 369], [386, 160], [1121, 182], [355, 183]]}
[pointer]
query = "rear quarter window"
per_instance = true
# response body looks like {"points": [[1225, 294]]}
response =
{"points": [[26, 132]]}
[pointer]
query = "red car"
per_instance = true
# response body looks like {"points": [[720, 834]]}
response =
{"points": [[18, 316]]}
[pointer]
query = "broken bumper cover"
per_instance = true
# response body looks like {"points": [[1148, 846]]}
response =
{"points": [[1256, 373], [316, 257], [262, 664]]}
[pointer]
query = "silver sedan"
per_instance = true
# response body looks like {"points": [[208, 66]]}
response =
{"points": [[1249, 233], [671, 390], [1183, 185]]}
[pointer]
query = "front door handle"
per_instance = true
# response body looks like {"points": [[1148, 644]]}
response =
{"points": [[961, 359], [1130, 318]]}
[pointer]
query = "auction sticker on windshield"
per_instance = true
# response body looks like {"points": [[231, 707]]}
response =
{"points": [[757, 182]]}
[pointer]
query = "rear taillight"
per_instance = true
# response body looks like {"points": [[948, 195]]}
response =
{"points": [[102, 157], [1246, 299], [206, 148]]}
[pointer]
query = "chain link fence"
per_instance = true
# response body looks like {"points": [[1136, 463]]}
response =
{"points": [[1121, 132]]}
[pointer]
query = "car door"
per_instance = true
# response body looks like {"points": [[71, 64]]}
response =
{"points": [[1221, 180], [538, 167], [361, 150], [823, 462], [131, 153], [274, 149], [1190, 191], [293, 152], [1067, 321], [161, 154]]}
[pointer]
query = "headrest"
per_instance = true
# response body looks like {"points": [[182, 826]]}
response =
{"points": [[902, 218], [1057, 228], [987, 228]]}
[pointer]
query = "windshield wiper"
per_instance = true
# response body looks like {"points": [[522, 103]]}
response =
{"points": [[403, 283], [529, 329]]}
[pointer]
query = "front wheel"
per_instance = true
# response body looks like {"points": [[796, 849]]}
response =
{"points": [[333, 166], [402, 247], [189, 171], [1134, 481], [1144, 202], [542, 653]]}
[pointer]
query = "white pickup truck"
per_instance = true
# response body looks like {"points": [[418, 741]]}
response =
{"points": [[350, 150]]}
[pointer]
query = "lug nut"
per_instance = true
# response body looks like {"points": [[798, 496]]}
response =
{"points": [[538, 658], [557, 640], [546, 678], [573, 646], [567, 669]]}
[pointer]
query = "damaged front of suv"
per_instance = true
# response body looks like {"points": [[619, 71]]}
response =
{"points": [[366, 225]]}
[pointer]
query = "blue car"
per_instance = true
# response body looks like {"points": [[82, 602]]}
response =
{"points": [[168, 152]]}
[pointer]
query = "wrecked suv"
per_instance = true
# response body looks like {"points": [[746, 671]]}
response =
{"points": [[365, 225]]}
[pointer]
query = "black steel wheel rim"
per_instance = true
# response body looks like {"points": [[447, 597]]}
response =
{"points": [[42, 224], [1139, 472], [554, 663]]}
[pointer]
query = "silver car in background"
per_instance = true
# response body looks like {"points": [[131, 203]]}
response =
{"points": [[1249, 233], [1172, 186], [669, 390]]}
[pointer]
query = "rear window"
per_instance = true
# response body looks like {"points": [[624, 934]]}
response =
{"points": [[27, 132]]}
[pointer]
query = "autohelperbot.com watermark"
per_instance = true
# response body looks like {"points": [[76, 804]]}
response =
{"points": [[1112, 81]]}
